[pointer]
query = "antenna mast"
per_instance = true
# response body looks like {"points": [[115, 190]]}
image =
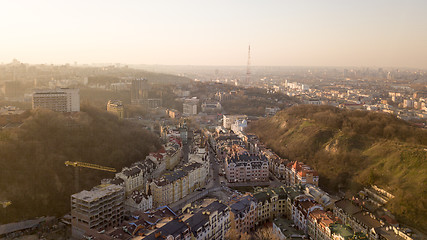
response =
{"points": [[248, 69]]}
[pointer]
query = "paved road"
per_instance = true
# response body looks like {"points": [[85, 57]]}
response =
{"points": [[213, 186]]}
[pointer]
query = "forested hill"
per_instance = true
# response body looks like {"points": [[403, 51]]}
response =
{"points": [[32, 171], [351, 149]]}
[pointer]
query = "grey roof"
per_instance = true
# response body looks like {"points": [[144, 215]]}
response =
{"points": [[173, 228], [365, 218], [117, 181], [347, 206], [132, 171], [198, 220], [19, 226], [241, 207]]}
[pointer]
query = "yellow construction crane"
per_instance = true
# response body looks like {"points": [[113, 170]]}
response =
{"points": [[5, 203], [76, 166]]}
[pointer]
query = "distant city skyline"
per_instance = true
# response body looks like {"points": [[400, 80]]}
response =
{"points": [[281, 33]]}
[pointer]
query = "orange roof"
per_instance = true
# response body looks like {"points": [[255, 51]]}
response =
{"points": [[321, 218]]}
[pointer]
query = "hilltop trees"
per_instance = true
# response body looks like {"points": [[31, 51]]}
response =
{"points": [[32, 171]]}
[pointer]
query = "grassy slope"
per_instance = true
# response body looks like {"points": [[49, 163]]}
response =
{"points": [[32, 171], [353, 149]]}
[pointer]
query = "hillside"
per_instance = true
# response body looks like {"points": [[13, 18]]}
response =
{"points": [[32, 171], [351, 149]]}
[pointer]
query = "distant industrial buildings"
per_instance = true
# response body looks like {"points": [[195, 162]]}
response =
{"points": [[58, 100]]}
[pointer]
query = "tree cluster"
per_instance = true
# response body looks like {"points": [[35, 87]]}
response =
{"points": [[32, 170]]}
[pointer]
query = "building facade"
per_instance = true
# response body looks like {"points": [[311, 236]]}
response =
{"points": [[98, 209], [58, 100]]}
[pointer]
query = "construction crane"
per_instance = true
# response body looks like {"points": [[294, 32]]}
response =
{"points": [[5, 203], [76, 166]]}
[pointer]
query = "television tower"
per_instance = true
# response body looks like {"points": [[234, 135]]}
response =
{"points": [[248, 69]]}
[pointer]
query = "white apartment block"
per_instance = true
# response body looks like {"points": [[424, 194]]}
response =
{"points": [[58, 100]]}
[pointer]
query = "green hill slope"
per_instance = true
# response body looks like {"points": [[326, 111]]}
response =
{"points": [[351, 149], [32, 171]]}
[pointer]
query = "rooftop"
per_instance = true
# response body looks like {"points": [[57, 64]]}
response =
{"points": [[97, 192], [341, 230], [287, 229]]}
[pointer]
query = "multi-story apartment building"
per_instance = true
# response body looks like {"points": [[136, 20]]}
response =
{"points": [[228, 120], [297, 173], [140, 94], [175, 185], [301, 209], [277, 165], [211, 106], [357, 218], [98, 209], [138, 200], [241, 166], [58, 100], [345, 209], [318, 222], [116, 107], [161, 223], [210, 221], [271, 202], [243, 213], [190, 106], [133, 178]]}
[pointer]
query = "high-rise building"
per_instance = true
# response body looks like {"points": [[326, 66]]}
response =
{"points": [[98, 209], [141, 93], [139, 90], [58, 100]]}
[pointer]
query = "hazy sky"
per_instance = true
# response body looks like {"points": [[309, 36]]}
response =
{"points": [[177, 32]]}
